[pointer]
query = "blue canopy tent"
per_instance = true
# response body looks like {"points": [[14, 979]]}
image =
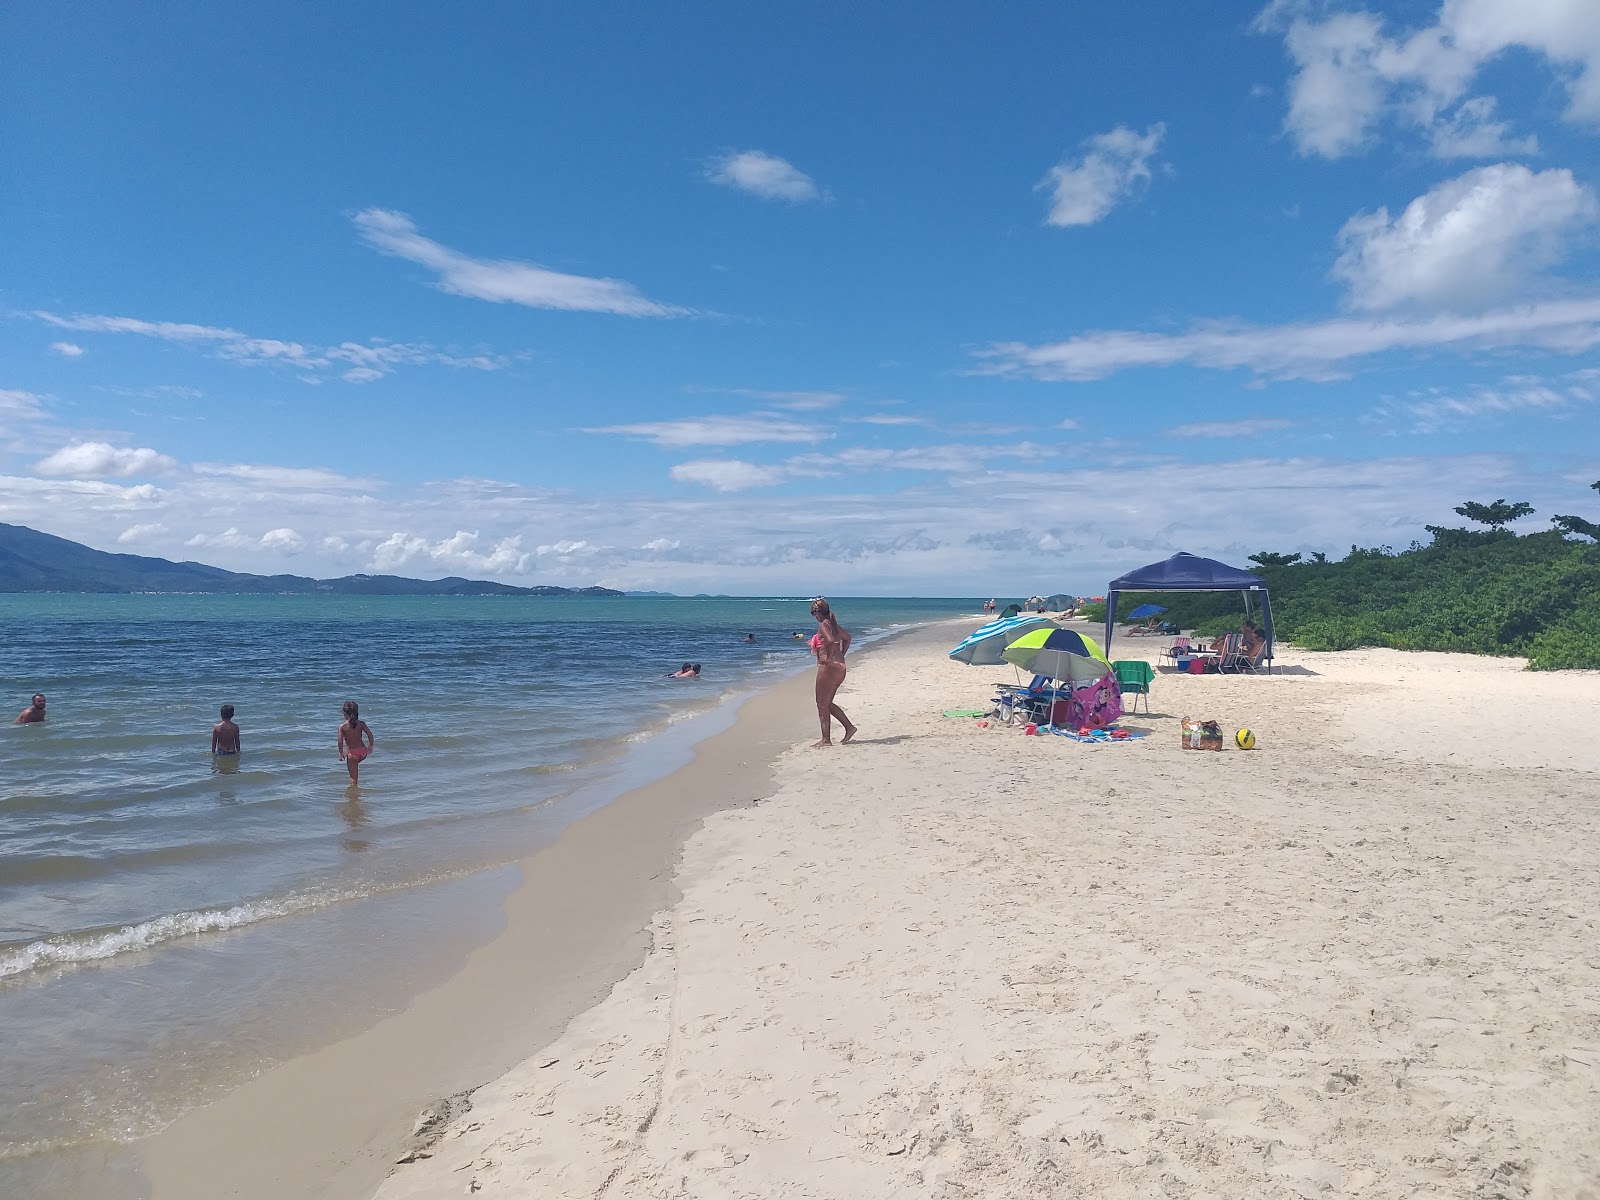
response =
{"points": [[1191, 573]]}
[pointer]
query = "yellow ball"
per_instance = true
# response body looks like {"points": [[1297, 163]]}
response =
{"points": [[1245, 740]]}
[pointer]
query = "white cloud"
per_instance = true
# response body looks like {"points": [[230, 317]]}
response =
{"points": [[941, 533], [229, 539], [718, 431], [1472, 132], [1317, 350], [727, 474], [884, 419], [566, 548], [1351, 75], [285, 541], [1474, 240], [734, 475], [66, 349], [369, 360], [287, 478], [459, 552], [1113, 166], [764, 175], [99, 460], [26, 405], [1246, 427], [797, 401], [503, 281], [1437, 409], [134, 534]]}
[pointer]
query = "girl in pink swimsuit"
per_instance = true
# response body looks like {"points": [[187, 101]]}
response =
{"points": [[829, 644], [355, 740]]}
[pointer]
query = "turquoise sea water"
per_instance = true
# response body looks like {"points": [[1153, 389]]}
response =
{"points": [[150, 895]]}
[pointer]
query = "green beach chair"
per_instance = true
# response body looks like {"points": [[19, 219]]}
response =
{"points": [[1133, 677]]}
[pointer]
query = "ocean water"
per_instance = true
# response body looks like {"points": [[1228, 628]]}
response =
{"points": [[154, 901]]}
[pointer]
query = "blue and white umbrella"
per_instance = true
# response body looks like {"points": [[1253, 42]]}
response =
{"points": [[986, 643]]}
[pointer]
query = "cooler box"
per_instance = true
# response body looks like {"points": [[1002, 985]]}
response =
{"points": [[1197, 666], [1061, 714]]}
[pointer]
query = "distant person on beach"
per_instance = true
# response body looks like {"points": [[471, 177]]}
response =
{"points": [[355, 740], [34, 713], [829, 644], [225, 734]]}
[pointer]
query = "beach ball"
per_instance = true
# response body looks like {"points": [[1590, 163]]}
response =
{"points": [[1244, 739]]}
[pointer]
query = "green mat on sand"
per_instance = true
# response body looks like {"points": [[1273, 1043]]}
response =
{"points": [[967, 712]]}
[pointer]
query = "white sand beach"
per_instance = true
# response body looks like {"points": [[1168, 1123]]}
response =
{"points": [[1360, 960]]}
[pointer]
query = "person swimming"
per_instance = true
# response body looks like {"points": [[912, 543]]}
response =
{"points": [[34, 713], [687, 671]]}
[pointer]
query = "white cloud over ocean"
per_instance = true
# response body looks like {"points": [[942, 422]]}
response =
{"points": [[99, 460], [946, 517]]}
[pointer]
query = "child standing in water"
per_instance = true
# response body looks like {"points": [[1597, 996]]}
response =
{"points": [[225, 734], [352, 747]]}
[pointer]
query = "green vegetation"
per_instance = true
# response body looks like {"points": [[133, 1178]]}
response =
{"points": [[1484, 591]]}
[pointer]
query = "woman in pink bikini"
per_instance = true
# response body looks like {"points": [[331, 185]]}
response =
{"points": [[829, 644], [352, 747]]}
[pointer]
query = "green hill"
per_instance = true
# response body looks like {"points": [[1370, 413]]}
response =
{"points": [[31, 561], [1484, 592]]}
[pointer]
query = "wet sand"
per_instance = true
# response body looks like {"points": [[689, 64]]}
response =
{"points": [[333, 1122]]}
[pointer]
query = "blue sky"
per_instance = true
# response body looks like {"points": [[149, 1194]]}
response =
{"points": [[860, 299]]}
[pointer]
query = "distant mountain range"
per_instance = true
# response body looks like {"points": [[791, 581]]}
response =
{"points": [[31, 561]]}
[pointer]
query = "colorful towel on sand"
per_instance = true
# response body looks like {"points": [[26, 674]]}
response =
{"points": [[1100, 736]]}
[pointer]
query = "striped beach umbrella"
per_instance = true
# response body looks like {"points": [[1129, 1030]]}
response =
{"points": [[983, 646]]}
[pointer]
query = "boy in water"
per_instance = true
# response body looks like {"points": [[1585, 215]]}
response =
{"points": [[355, 740], [225, 734]]}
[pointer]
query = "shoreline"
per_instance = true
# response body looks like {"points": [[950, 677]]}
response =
{"points": [[331, 1123]]}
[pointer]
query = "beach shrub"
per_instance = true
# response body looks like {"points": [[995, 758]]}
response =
{"points": [[1477, 591]]}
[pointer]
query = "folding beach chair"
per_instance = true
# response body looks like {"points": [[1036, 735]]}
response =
{"points": [[1025, 704], [1178, 649], [1133, 677], [1233, 658]]}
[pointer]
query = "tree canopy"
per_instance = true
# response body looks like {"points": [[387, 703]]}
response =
{"points": [[1484, 591], [1496, 515]]}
